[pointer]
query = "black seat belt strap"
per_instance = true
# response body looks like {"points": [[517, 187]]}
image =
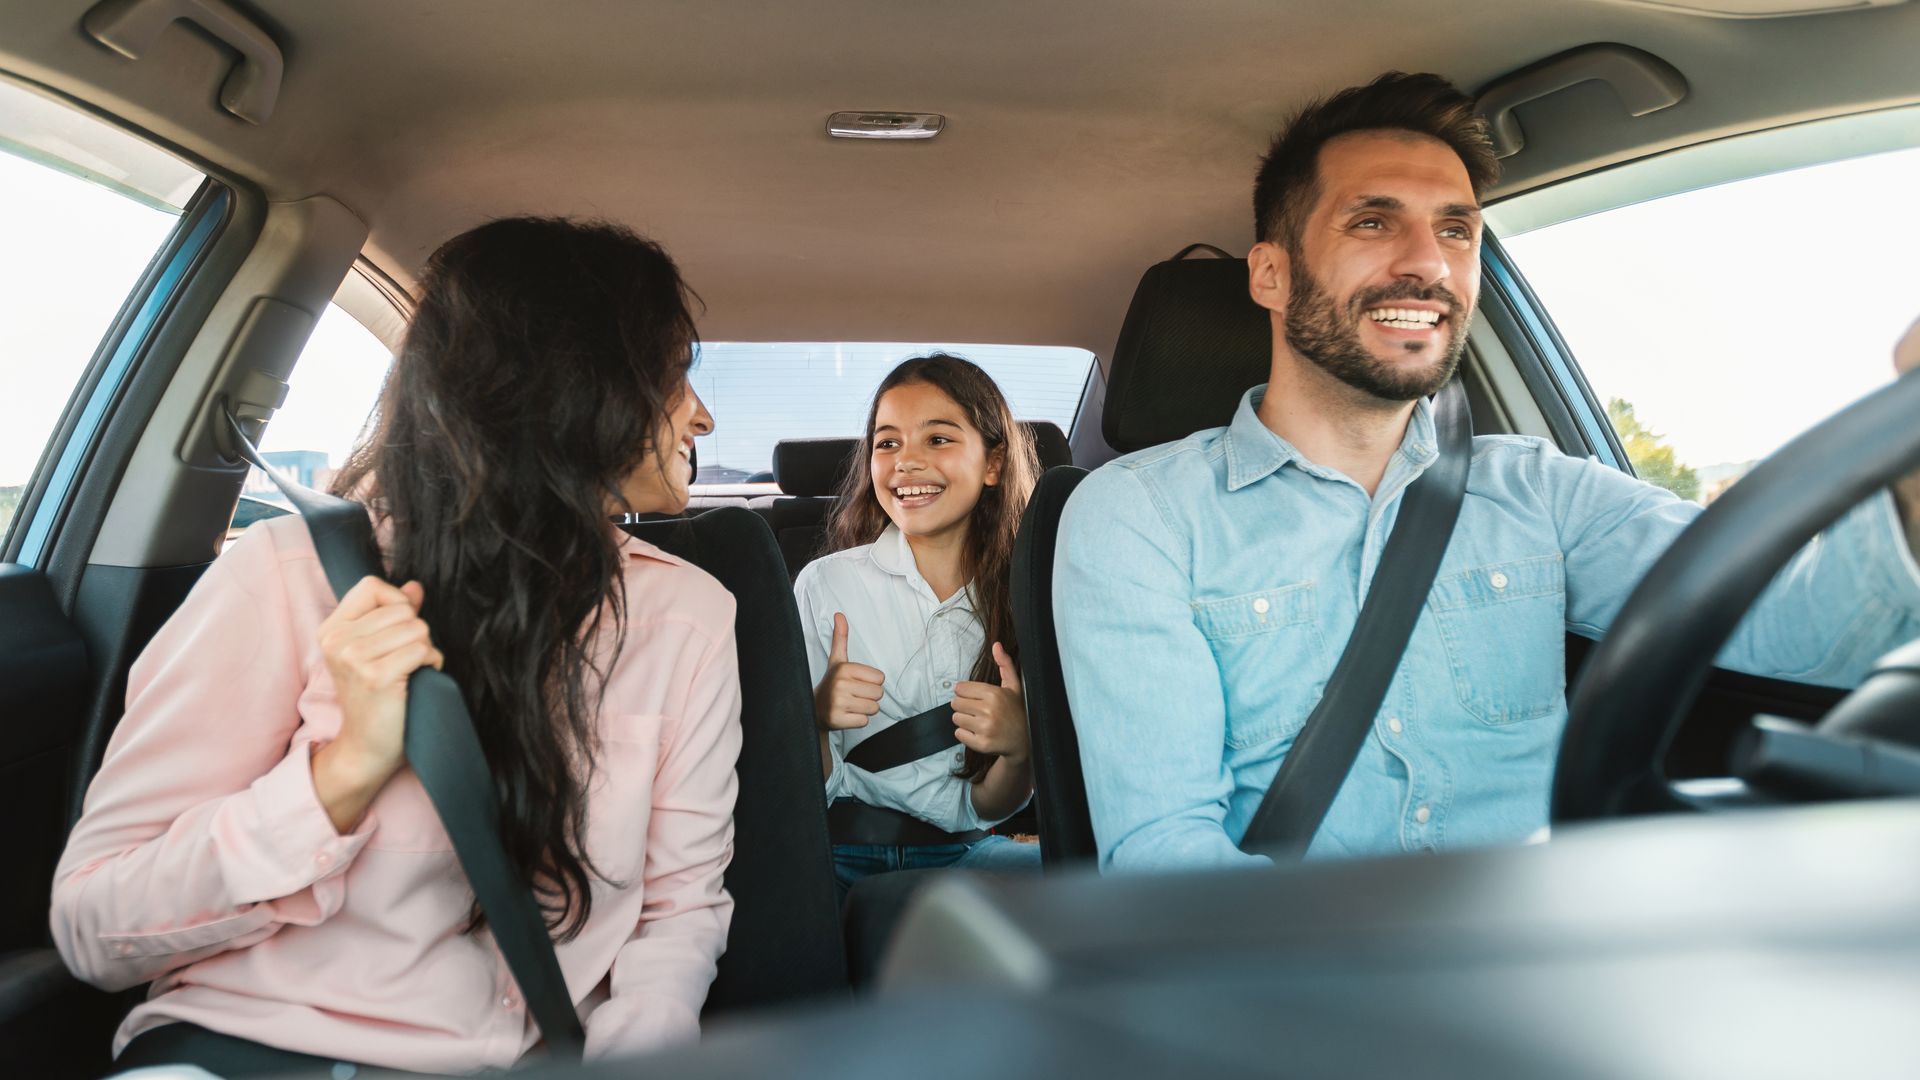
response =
{"points": [[445, 754], [1323, 752], [908, 740]]}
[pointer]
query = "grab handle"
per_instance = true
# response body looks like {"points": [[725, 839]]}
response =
{"points": [[130, 28]]}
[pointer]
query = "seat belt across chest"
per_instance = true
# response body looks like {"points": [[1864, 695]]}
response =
{"points": [[444, 752], [1323, 753]]}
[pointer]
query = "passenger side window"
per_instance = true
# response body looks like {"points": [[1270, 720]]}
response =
{"points": [[330, 400], [1717, 324], [84, 208]]}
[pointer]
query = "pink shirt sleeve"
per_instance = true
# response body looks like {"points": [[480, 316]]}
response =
{"points": [[202, 831], [660, 976]]}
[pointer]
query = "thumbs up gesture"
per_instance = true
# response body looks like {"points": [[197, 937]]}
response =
{"points": [[993, 719], [849, 693]]}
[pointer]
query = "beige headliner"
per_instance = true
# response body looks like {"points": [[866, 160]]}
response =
{"points": [[1085, 140]]}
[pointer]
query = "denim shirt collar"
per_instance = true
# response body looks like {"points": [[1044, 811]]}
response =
{"points": [[1254, 452]]}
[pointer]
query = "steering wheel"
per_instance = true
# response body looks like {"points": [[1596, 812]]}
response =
{"points": [[1642, 679]]}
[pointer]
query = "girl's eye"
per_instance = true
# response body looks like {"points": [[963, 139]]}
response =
{"points": [[939, 440], [884, 444]]}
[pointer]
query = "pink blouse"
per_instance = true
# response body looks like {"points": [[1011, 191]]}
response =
{"points": [[205, 863]]}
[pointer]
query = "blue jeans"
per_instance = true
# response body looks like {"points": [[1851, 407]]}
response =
{"points": [[997, 854]]}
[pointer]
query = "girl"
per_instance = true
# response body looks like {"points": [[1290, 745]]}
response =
{"points": [[254, 843], [910, 615]]}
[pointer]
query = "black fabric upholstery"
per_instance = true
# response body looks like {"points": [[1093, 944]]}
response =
{"points": [[1050, 443], [785, 942], [1060, 792], [799, 528], [812, 467], [874, 907], [1192, 343]]}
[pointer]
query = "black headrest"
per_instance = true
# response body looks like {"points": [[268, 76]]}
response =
{"points": [[1193, 343], [1050, 443], [814, 466]]}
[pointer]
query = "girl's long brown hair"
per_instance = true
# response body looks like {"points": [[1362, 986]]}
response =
{"points": [[539, 366], [858, 517]]}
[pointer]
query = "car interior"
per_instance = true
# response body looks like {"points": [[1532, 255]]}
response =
{"points": [[1697, 911]]}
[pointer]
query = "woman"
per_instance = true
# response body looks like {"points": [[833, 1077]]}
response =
{"points": [[254, 844]]}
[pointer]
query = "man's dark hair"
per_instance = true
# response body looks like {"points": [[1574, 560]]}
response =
{"points": [[1289, 180]]}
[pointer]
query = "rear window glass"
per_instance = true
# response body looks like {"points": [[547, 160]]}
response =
{"points": [[760, 393]]}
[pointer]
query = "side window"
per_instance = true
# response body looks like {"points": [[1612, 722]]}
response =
{"points": [[330, 400], [84, 207], [1717, 324]]}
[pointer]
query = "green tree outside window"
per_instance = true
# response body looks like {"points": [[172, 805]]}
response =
{"points": [[1652, 458]]}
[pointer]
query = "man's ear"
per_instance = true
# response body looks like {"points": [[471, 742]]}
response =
{"points": [[1269, 276]]}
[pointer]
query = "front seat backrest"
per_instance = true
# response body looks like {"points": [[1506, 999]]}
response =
{"points": [[784, 944], [1193, 342], [1060, 794]]}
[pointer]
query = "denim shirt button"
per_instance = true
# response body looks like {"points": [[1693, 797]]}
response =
{"points": [[1260, 606], [1394, 725], [1422, 815], [1498, 580]]}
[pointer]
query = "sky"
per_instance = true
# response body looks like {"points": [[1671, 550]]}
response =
{"points": [[1732, 317], [1736, 317]]}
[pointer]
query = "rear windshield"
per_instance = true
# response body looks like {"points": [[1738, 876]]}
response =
{"points": [[760, 393]]}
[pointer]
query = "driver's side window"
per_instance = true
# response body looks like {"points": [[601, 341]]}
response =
{"points": [[1717, 324]]}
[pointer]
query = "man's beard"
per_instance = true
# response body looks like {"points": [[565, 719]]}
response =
{"points": [[1318, 330]]}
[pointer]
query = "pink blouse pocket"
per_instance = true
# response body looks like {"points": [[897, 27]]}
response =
{"points": [[620, 798]]}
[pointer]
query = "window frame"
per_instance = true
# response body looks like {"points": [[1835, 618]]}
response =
{"points": [[1553, 373], [68, 494], [33, 532]]}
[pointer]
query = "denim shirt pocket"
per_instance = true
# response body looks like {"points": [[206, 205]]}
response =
{"points": [[1267, 646], [1504, 626]]}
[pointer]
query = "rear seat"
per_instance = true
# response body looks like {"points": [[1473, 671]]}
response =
{"points": [[809, 472]]}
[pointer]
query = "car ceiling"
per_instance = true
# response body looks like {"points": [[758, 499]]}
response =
{"points": [[1084, 141]]}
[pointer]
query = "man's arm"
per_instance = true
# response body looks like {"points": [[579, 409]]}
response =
{"points": [[1147, 703], [1906, 490], [1836, 607]]}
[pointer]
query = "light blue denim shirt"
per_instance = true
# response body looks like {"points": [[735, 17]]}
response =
{"points": [[1204, 589]]}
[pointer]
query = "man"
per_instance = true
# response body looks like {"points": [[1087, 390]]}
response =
{"points": [[1205, 588]]}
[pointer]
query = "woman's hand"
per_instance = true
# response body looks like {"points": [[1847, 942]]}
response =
{"points": [[849, 693], [372, 643], [1906, 352], [993, 719]]}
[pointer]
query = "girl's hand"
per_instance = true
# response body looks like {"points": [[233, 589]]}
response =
{"points": [[1906, 354], [993, 719], [371, 643], [849, 693]]}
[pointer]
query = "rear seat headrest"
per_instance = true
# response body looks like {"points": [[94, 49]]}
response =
{"points": [[1050, 443], [814, 467], [1192, 344]]}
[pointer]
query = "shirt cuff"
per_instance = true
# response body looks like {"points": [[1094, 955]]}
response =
{"points": [[281, 840]]}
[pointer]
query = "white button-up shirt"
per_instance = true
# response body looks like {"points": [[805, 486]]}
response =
{"points": [[924, 645]]}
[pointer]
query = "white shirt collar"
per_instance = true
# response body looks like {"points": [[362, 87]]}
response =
{"points": [[892, 553]]}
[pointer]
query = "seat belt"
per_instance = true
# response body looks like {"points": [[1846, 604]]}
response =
{"points": [[445, 754], [1323, 752], [907, 740]]}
